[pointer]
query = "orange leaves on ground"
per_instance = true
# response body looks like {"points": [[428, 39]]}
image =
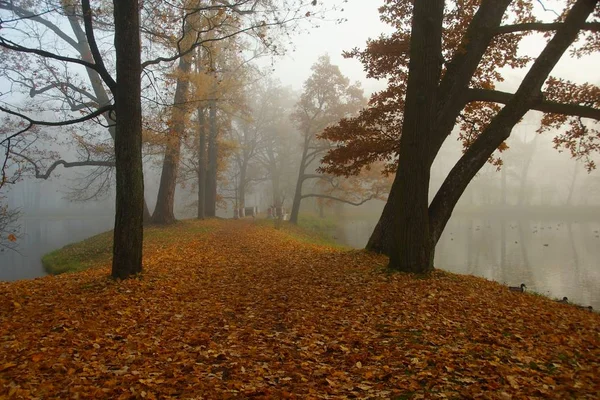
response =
{"points": [[242, 310]]}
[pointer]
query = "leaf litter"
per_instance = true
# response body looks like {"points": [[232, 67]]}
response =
{"points": [[246, 311]]}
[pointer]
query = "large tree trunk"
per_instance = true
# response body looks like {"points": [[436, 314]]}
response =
{"points": [[165, 202], [412, 249], [201, 163], [128, 233], [211, 173]]}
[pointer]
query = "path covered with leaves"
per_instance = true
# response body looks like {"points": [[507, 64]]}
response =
{"points": [[246, 311]]}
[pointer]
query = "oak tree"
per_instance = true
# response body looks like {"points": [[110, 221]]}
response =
{"points": [[443, 62]]}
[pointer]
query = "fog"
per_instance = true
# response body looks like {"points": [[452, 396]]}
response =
{"points": [[536, 220]]}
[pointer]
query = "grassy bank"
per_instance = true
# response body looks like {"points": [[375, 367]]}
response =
{"points": [[79, 256], [97, 250], [310, 229], [238, 309]]}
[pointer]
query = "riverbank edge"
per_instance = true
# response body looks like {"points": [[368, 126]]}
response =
{"points": [[96, 250]]}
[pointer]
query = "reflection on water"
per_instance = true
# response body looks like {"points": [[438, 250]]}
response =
{"points": [[42, 235], [556, 258]]}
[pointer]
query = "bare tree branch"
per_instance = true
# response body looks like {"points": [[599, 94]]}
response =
{"points": [[25, 14], [32, 122], [324, 196], [8, 44], [543, 27], [33, 92], [89, 33], [65, 164], [495, 96]]}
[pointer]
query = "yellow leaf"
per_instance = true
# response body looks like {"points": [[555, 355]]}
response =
{"points": [[7, 366]]}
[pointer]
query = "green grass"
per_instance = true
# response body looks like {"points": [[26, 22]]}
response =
{"points": [[97, 250], [314, 223], [310, 229], [79, 256]]}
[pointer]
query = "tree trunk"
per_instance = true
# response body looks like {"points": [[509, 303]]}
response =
{"points": [[573, 184], [412, 248], [297, 197], [242, 186], [211, 173], [298, 192], [201, 163], [128, 233], [165, 202], [321, 207], [381, 239]]}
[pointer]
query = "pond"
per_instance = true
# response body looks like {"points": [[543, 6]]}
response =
{"points": [[552, 257], [41, 235]]}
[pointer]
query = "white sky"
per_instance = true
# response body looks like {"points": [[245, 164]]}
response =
{"points": [[363, 23]]}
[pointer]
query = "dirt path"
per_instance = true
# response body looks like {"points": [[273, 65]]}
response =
{"points": [[248, 311]]}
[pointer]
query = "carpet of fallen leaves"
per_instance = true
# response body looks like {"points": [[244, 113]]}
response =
{"points": [[249, 311]]}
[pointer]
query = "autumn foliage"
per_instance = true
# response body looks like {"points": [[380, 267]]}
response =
{"points": [[235, 309], [375, 134]]}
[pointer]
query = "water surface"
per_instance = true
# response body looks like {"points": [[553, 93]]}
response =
{"points": [[555, 258], [41, 235]]}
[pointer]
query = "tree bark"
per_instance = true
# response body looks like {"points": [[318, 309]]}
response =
{"points": [[381, 239], [412, 248], [211, 172], [128, 233], [301, 174], [242, 185], [298, 192], [201, 163], [147, 216], [165, 202]]}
